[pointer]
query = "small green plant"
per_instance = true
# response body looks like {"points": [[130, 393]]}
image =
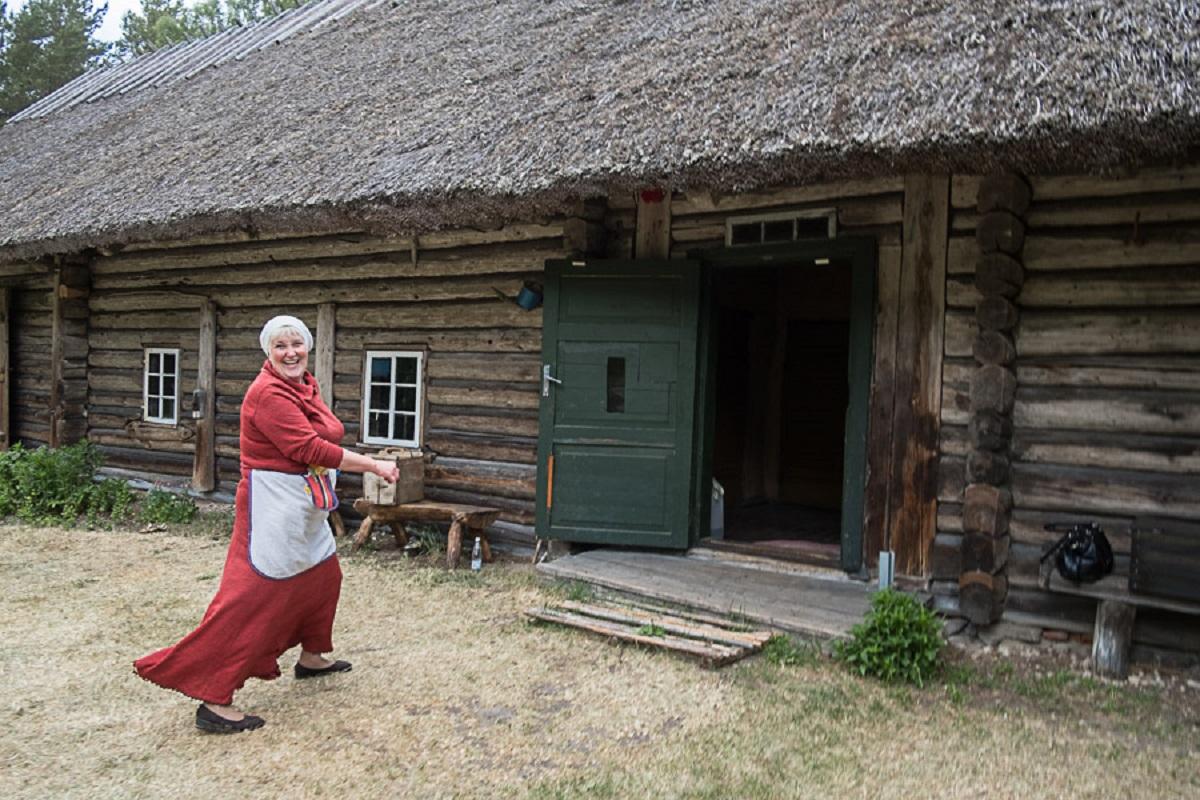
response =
{"points": [[45, 486], [650, 629], [160, 506], [579, 592], [783, 651], [900, 641]]}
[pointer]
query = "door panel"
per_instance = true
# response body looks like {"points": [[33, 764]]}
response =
{"points": [[615, 436]]}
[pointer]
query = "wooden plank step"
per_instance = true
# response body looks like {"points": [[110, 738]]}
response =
{"points": [[671, 624], [678, 638]]}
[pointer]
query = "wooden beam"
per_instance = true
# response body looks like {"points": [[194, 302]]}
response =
{"points": [[919, 339], [5, 403], [326, 337], [883, 393], [56, 358], [204, 464], [653, 238]]}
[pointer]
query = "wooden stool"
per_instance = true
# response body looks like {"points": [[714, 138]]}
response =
{"points": [[475, 519]]}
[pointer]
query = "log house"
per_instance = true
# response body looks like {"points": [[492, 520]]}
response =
{"points": [[1032, 330]]}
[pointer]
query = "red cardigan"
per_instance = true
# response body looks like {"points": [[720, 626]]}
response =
{"points": [[287, 426]]}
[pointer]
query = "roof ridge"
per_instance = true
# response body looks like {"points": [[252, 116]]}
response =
{"points": [[186, 59]]}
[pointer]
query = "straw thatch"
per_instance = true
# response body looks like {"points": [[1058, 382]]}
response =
{"points": [[462, 112]]}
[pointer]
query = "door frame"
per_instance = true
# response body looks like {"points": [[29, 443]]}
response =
{"points": [[862, 254]]}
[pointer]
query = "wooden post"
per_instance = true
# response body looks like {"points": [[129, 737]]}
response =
{"points": [[1111, 638], [56, 359], [916, 419], [5, 403], [876, 531], [204, 461], [326, 335], [653, 236]]}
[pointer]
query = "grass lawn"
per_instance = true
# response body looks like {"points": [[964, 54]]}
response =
{"points": [[454, 694]]}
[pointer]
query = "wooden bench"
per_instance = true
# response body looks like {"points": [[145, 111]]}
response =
{"points": [[473, 519], [1112, 632]]}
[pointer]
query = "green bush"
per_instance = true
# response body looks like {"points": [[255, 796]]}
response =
{"points": [[45, 486], [899, 641], [161, 506]]}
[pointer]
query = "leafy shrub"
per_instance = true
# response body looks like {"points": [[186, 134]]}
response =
{"points": [[161, 506], [45, 486], [899, 641]]}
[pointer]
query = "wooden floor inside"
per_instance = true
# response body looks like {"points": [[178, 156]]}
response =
{"points": [[818, 604]]}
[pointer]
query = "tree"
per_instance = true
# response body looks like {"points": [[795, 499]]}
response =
{"points": [[167, 22], [43, 46]]}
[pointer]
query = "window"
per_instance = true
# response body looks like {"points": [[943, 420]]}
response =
{"points": [[786, 227], [392, 398], [160, 389]]}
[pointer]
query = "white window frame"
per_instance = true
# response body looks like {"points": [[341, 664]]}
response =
{"points": [[811, 213], [160, 352], [418, 413]]}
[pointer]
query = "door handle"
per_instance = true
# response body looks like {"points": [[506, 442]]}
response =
{"points": [[547, 379]]}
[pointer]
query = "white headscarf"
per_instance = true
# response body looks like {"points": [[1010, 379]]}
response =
{"points": [[282, 322]]}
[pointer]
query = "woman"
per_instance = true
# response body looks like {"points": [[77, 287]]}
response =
{"points": [[281, 580]]}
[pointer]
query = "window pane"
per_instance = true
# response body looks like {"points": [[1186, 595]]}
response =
{"points": [[168, 385], [405, 426], [615, 396], [155, 363], [153, 407], [406, 398], [746, 233], [168, 409], [406, 370], [377, 425], [777, 231], [154, 385], [379, 397], [168, 363], [815, 228], [381, 369]]}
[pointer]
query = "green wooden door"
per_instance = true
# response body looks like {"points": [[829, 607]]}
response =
{"points": [[615, 434]]}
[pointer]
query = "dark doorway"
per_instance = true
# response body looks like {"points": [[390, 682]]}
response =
{"points": [[781, 395]]}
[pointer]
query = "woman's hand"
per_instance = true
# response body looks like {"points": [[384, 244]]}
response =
{"points": [[386, 470]]}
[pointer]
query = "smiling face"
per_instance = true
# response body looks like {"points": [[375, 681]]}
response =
{"points": [[289, 355]]}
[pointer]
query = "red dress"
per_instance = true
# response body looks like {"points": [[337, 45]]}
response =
{"points": [[253, 618]]}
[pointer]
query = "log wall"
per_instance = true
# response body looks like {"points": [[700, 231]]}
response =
{"points": [[1106, 418], [437, 294], [30, 321]]}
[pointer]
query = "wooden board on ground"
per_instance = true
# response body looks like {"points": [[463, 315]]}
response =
{"points": [[716, 643]]}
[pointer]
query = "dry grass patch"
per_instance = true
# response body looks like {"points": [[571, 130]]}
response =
{"points": [[454, 695]]}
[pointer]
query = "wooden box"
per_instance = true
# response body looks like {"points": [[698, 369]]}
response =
{"points": [[408, 489], [1165, 558]]}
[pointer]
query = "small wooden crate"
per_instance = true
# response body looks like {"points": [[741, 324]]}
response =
{"points": [[408, 489]]}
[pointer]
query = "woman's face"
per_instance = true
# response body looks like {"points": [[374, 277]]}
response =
{"points": [[289, 355]]}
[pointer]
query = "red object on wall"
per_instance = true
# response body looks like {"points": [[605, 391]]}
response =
{"points": [[654, 195]]}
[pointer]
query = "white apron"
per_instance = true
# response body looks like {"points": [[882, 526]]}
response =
{"points": [[289, 528]]}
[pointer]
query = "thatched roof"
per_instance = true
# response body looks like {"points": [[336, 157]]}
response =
{"points": [[449, 112]]}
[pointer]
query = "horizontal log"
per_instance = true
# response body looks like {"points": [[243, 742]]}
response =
{"points": [[1130, 212], [999, 273], [483, 260], [961, 293], [482, 448], [994, 348], [483, 340], [483, 314], [993, 389], [951, 479], [477, 423], [315, 247], [952, 440], [1086, 490], [700, 202], [1127, 410], [287, 294], [153, 460], [1116, 332], [1153, 287], [482, 485], [1114, 372], [484, 397], [1045, 253], [945, 559], [1144, 181], [996, 313], [1119, 450]]}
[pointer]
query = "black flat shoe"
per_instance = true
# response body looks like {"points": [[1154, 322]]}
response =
{"points": [[309, 672], [212, 722]]}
